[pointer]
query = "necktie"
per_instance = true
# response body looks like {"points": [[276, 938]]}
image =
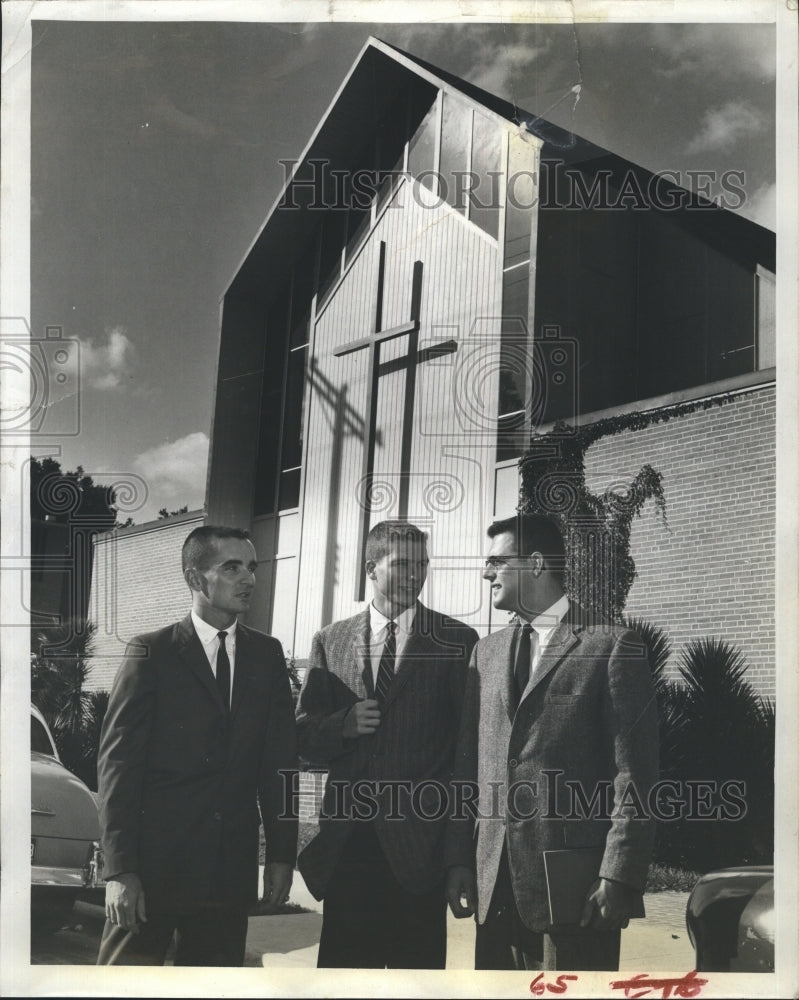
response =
{"points": [[524, 659], [223, 670], [385, 672]]}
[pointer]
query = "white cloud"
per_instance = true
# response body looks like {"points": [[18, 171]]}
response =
{"points": [[104, 366], [482, 56], [498, 65], [724, 126], [715, 51], [175, 471]]}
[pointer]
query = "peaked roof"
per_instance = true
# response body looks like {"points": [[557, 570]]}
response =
{"points": [[364, 97]]}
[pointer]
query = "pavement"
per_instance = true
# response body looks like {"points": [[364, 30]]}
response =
{"points": [[291, 941], [658, 943]]}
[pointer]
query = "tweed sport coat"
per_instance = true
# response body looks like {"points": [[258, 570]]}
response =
{"points": [[414, 743], [586, 723], [181, 779]]}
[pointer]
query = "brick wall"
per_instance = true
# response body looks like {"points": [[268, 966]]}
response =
{"points": [[311, 789], [137, 586], [712, 572]]}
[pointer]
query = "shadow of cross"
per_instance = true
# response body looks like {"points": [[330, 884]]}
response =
{"points": [[345, 420], [372, 343]]}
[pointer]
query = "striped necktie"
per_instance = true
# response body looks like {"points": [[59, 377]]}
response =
{"points": [[385, 672]]}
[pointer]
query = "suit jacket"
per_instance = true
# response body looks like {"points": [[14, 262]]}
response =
{"points": [[414, 742], [587, 717], [180, 778]]}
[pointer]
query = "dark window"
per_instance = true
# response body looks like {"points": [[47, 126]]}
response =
{"points": [[334, 230], [519, 388], [301, 301], [283, 400], [289, 497], [645, 302], [266, 469], [291, 452], [392, 134]]}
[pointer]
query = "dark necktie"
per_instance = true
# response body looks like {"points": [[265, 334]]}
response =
{"points": [[385, 672], [524, 659], [223, 670]]}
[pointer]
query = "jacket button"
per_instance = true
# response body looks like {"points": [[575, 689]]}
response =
{"points": [[512, 762], [206, 759], [217, 814]]}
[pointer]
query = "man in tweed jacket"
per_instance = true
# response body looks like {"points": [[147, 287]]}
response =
{"points": [[572, 746], [385, 725]]}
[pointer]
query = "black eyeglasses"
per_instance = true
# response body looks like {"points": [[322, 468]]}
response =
{"points": [[497, 562]]}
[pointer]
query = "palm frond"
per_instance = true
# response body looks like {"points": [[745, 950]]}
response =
{"points": [[657, 642]]}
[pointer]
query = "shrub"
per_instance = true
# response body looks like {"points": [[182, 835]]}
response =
{"points": [[716, 730], [658, 646], [59, 669]]}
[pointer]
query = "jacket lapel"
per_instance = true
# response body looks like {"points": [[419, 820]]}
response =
{"points": [[362, 654], [563, 640], [506, 655], [191, 651], [415, 651]]}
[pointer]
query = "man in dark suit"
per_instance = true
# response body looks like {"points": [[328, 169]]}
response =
{"points": [[198, 730], [380, 707], [562, 711]]}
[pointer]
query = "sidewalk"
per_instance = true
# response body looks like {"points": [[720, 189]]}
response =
{"points": [[657, 944]]}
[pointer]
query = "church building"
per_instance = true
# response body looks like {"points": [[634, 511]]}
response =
{"points": [[444, 274]]}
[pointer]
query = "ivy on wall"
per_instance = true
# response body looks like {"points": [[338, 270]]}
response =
{"points": [[600, 569]]}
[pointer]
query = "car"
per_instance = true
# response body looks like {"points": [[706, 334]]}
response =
{"points": [[730, 920], [66, 859]]}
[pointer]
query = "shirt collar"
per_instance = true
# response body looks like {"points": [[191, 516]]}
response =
{"points": [[207, 633], [548, 620], [404, 620]]}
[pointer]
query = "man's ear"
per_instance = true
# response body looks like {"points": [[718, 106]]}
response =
{"points": [[370, 568], [194, 579], [536, 563]]}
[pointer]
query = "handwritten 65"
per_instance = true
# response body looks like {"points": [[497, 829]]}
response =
{"points": [[538, 986]]}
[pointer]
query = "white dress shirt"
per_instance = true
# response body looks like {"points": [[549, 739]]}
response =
{"points": [[378, 631], [209, 637], [545, 625]]}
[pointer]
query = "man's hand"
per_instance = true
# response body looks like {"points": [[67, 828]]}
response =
{"points": [[608, 905], [277, 883], [362, 719], [124, 902], [461, 885]]}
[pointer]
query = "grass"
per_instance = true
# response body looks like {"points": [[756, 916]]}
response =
{"points": [[667, 878], [288, 909]]}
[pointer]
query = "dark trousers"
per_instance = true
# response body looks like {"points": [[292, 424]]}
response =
{"points": [[504, 942], [369, 921], [214, 936]]}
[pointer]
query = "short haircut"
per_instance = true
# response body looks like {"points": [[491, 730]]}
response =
{"points": [[534, 533], [385, 533], [198, 549]]}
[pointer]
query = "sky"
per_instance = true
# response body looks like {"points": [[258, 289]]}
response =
{"points": [[155, 152]]}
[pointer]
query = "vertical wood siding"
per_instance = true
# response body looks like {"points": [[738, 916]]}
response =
{"points": [[453, 439]]}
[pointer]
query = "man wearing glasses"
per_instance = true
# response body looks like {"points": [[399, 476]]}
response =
{"points": [[564, 715]]}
